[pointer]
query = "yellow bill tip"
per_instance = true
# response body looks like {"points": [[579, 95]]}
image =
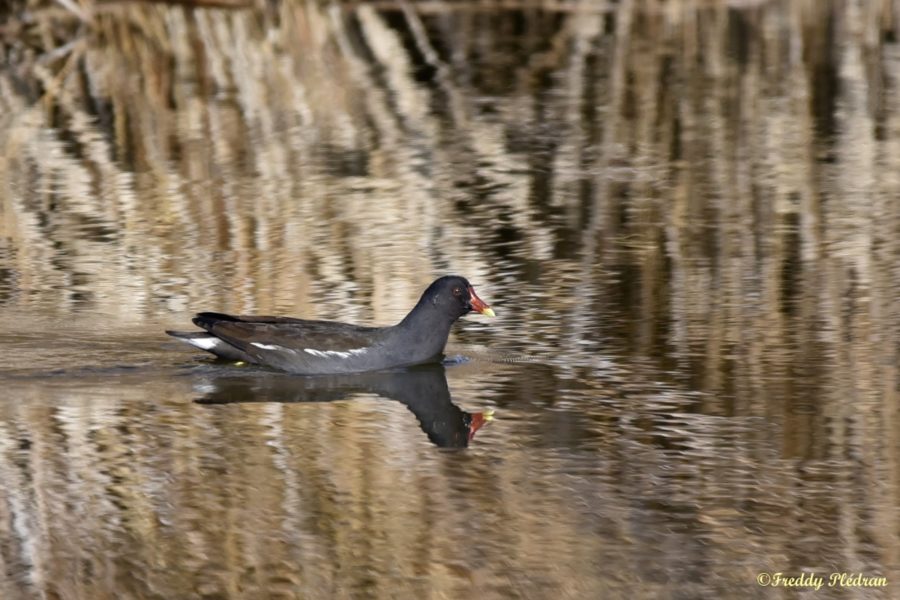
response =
{"points": [[489, 312]]}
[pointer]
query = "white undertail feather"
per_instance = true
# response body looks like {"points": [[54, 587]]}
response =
{"points": [[204, 343]]}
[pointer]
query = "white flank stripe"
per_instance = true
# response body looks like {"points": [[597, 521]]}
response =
{"points": [[337, 353], [315, 352], [267, 346]]}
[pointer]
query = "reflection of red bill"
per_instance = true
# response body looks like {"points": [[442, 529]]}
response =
{"points": [[479, 419], [478, 304]]}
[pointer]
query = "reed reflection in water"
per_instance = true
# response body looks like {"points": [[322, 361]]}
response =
{"points": [[686, 215]]}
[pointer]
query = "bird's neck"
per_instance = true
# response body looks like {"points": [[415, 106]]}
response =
{"points": [[427, 328]]}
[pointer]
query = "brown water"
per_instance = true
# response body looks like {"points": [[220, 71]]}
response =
{"points": [[686, 215]]}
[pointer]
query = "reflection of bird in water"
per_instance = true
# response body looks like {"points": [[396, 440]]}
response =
{"points": [[422, 389]]}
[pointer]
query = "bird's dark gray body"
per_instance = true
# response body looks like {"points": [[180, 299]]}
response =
{"points": [[308, 347]]}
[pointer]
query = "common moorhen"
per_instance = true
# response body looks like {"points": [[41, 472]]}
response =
{"points": [[327, 347]]}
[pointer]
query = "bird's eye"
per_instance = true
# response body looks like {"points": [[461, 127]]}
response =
{"points": [[457, 291]]}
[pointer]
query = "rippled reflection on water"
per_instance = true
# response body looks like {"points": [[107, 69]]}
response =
{"points": [[685, 216]]}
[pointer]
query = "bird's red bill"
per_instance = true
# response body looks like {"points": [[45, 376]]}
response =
{"points": [[479, 419], [478, 305]]}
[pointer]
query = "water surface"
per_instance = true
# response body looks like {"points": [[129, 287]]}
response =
{"points": [[685, 215]]}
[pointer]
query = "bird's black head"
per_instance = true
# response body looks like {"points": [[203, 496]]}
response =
{"points": [[455, 296]]}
